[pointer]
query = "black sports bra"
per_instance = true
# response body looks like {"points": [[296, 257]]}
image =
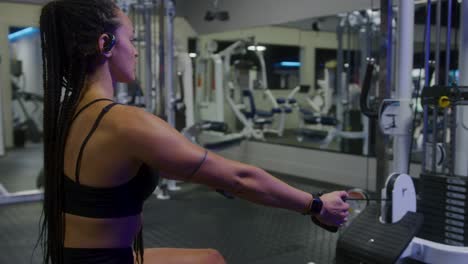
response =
{"points": [[123, 200]]}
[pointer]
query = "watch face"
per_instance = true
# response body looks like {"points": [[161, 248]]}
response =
{"points": [[316, 207]]}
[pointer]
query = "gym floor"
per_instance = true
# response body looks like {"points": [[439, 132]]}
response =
{"points": [[20, 167]]}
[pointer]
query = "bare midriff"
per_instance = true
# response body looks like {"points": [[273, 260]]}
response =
{"points": [[85, 232]]}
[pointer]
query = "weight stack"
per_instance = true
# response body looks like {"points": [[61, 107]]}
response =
{"points": [[443, 203]]}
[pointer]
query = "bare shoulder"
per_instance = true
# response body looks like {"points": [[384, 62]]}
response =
{"points": [[150, 139], [130, 120]]}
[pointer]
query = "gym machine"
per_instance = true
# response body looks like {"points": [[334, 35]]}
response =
{"points": [[25, 126], [347, 125], [215, 87], [431, 228]]}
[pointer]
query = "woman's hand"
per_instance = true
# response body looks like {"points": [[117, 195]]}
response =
{"points": [[335, 209]]}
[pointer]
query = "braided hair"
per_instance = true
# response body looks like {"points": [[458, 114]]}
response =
{"points": [[70, 30]]}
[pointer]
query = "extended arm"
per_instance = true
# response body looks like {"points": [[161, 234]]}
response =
{"points": [[160, 146]]}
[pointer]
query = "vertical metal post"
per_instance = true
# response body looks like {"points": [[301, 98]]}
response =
{"points": [[437, 72], [135, 21], [427, 50], [428, 67], [390, 47], [461, 148], [404, 83], [447, 70], [365, 39], [345, 98], [169, 62], [2, 139], [148, 57], [448, 41], [339, 74], [186, 62], [385, 64], [158, 71], [160, 102], [437, 52]]}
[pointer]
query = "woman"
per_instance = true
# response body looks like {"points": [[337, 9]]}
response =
{"points": [[99, 155]]}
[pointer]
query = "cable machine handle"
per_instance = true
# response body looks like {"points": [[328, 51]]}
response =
{"points": [[366, 86]]}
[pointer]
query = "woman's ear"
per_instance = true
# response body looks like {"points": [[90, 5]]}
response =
{"points": [[106, 42]]}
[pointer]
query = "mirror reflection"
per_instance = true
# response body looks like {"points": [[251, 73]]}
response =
{"points": [[22, 167], [301, 83], [281, 81], [297, 84]]}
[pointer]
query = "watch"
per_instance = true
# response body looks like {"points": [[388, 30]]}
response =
{"points": [[316, 206]]}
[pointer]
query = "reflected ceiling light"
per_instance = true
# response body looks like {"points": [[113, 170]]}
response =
{"points": [[290, 64], [192, 55], [22, 33], [257, 48]]}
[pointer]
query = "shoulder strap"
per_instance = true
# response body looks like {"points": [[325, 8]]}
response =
{"points": [[88, 105], [83, 145]]}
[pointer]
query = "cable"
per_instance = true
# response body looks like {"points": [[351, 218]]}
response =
{"points": [[371, 46], [367, 199], [418, 97], [390, 62], [448, 42]]}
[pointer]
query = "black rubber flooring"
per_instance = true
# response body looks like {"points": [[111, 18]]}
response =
{"points": [[197, 217]]}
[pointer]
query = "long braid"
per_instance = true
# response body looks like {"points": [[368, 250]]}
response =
{"points": [[45, 79], [52, 101], [69, 31], [138, 247]]}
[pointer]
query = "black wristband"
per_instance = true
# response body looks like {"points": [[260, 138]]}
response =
{"points": [[332, 229], [316, 206]]}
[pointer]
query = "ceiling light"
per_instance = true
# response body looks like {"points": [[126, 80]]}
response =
{"points": [[257, 48]]}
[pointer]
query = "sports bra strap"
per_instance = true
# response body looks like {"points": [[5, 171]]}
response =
{"points": [[93, 129], [88, 105]]}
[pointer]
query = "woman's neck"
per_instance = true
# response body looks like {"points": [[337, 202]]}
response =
{"points": [[99, 84]]}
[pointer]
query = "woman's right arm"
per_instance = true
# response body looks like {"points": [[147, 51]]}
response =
{"points": [[154, 142]]}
